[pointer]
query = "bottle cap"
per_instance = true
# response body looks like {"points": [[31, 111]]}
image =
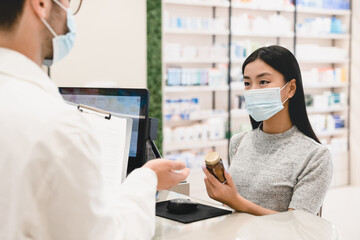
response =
{"points": [[212, 158]]}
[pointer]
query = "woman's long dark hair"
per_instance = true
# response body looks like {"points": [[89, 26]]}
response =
{"points": [[283, 61]]}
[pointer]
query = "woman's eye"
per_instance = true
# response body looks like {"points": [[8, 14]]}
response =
{"points": [[263, 82], [246, 84]]}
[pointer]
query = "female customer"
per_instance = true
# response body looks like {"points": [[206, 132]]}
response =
{"points": [[280, 165]]}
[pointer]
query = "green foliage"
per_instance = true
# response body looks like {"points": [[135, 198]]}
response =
{"points": [[154, 64]]}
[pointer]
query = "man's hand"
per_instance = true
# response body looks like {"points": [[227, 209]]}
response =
{"points": [[165, 171]]}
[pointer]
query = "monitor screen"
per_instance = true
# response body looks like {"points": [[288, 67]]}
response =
{"points": [[132, 103]]}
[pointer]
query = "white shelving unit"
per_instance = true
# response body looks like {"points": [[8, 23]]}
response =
{"points": [[239, 113], [198, 117], [338, 132], [260, 35], [185, 89], [312, 110], [197, 32], [326, 85], [334, 40], [199, 3], [324, 61], [323, 12], [247, 6], [209, 96], [196, 61], [325, 36], [195, 145]]}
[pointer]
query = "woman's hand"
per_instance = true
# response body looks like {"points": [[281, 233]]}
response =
{"points": [[223, 192], [228, 194]]}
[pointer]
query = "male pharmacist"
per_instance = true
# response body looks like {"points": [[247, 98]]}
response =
{"points": [[50, 185]]}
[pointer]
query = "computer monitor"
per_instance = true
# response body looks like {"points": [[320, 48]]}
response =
{"points": [[132, 103]]}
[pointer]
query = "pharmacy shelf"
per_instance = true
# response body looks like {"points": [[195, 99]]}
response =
{"points": [[245, 6], [262, 35], [324, 36], [238, 60], [201, 116], [184, 89], [195, 60], [319, 11], [238, 88], [170, 147], [324, 61], [197, 32], [239, 113], [336, 132], [199, 3], [325, 85], [312, 110]]}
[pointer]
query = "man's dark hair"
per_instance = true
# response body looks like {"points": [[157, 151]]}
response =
{"points": [[10, 10]]}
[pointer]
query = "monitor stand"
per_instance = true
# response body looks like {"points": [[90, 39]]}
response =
{"points": [[152, 152]]}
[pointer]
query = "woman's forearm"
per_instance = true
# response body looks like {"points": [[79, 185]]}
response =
{"points": [[243, 205]]}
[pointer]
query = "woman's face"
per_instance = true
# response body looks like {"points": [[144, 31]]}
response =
{"points": [[259, 75]]}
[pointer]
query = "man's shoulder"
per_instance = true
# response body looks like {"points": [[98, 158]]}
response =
{"points": [[32, 109]]}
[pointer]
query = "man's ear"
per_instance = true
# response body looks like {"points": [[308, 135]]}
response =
{"points": [[292, 84], [39, 7]]}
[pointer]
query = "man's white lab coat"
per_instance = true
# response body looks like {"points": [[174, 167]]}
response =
{"points": [[50, 185]]}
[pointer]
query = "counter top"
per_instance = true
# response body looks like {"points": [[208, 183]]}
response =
{"points": [[288, 225]]}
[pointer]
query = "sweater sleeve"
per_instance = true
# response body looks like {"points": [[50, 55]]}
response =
{"points": [[313, 182]]}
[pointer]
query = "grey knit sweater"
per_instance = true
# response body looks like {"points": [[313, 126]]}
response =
{"points": [[280, 171]]}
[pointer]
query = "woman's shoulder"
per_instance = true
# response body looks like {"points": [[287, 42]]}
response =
{"points": [[310, 145], [236, 139]]}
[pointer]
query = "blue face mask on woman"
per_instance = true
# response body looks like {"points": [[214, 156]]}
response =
{"points": [[62, 44], [262, 104]]}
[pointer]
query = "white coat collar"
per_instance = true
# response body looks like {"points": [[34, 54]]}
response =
{"points": [[17, 65]]}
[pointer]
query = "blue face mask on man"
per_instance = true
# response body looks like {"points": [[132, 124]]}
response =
{"points": [[262, 104], [62, 44]]}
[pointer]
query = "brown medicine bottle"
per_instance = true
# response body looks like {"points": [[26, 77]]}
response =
{"points": [[215, 166]]}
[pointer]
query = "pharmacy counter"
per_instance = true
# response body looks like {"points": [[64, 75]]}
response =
{"points": [[240, 226]]}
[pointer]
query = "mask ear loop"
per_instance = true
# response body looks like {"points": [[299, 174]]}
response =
{"points": [[60, 5], [285, 101], [48, 27], [281, 90], [284, 86]]}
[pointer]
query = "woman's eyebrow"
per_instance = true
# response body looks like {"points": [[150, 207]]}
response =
{"points": [[262, 74], [259, 76]]}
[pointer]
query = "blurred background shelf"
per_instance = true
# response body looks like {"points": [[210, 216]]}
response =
{"points": [[199, 3], [325, 36], [325, 85], [201, 116], [195, 61], [264, 35], [246, 6], [186, 89], [197, 32], [324, 61], [336, 132], [195, 145], [319, 11], [312, 110]]}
